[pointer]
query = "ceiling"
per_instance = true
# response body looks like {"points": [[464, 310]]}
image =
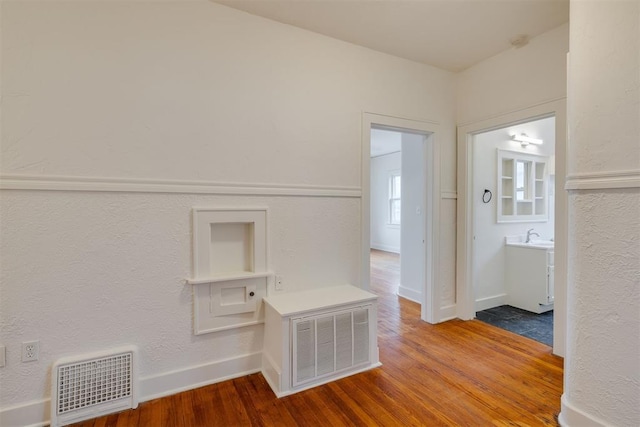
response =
{"points": [[385, 142], [448, 34]]}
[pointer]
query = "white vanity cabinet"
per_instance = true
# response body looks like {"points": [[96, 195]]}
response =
{"points": [[529, 276]]}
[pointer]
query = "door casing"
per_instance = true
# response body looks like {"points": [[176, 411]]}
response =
{"points": [[430, 304]]}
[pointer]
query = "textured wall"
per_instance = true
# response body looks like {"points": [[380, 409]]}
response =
{"points": [[602, 379], [603, 347], [175, 91], [84, 271], [607, 124]]}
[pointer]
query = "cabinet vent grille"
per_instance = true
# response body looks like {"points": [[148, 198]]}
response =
{"points": [[326, 344]]}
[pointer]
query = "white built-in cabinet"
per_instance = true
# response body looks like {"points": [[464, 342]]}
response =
{"points": [[522, 187], [316, 336], [530, 278]]}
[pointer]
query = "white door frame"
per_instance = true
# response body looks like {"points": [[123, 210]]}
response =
{"points": [[430, 304], [465, 300]]}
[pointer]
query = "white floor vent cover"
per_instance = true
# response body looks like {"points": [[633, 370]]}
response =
{"points": [[93, 385]]}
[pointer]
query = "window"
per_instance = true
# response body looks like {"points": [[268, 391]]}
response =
{"points": [[394, 198]]}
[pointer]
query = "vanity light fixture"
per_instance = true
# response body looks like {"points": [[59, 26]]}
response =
{"points": [[525, 140]]}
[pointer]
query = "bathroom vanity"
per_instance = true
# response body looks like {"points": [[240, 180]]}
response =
{"points": [[529, 275]]}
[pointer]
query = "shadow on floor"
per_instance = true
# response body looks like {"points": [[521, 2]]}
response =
{"points": [[535, 326]]}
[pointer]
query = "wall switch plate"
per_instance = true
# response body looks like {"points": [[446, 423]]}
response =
{"points": [[279, 283], [3, 358], [30, 351]]}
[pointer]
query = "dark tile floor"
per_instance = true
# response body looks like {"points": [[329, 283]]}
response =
{"points": [[535, 326]]}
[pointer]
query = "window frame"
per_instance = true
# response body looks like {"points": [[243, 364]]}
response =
{"points": [[395, 199]]}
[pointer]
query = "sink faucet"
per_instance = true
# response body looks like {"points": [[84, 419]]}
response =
{"points": [[530, 233]]}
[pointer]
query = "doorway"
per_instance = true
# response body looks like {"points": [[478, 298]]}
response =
{"points": [[419, 184], [466, 228], [397, 194], [513, 171]]}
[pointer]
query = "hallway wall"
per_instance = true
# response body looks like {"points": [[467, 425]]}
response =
{"points": [[602, 379]]}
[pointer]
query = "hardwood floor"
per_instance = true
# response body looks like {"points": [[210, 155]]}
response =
{"points": [[455, 373]]}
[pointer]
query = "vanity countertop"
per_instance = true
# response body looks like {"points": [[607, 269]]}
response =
{"points": [[519, 241]]}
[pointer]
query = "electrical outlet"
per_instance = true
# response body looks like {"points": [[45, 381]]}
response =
{"points": [[3, 358], [279, 284], [30, 351]]}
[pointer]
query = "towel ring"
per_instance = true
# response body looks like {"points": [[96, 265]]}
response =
{"points": [[485, 198]]}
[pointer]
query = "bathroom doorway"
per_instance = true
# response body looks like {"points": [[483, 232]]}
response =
{"points": [[489, 216], [513, 195]]}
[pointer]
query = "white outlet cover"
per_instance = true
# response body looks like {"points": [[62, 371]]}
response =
{"points": [[30, 351]]}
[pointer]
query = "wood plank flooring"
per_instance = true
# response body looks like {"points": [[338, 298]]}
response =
{"points": [[456, 373]]}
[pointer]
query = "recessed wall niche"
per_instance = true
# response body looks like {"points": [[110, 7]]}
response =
{"points": [[232, 247], [230, 275]]}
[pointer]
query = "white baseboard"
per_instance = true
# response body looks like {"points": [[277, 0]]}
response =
{"points": [[32, 414], [386, 248], [448, 312], [169, 383], [37, 413], [490, 302], [271, 373], [570, 416], [410, 294]]}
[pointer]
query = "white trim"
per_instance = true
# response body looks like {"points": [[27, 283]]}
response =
{"points": [[449, 195], [410, 294], [135, 185], [169, 383], [491, 302], [386, 248], [32, 414], [229, 277], [499, 116], [603, 180], [271, 372], [430, 310], [570, 416], [448, 312], [465, 300]]}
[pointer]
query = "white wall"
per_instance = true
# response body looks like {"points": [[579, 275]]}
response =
{"points": [[101, 99], [489, 247], [413, 233], [601, 377], [384, 236], [514, 79]]}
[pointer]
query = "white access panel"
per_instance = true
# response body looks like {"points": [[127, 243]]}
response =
{"points": [[230, 276]]}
